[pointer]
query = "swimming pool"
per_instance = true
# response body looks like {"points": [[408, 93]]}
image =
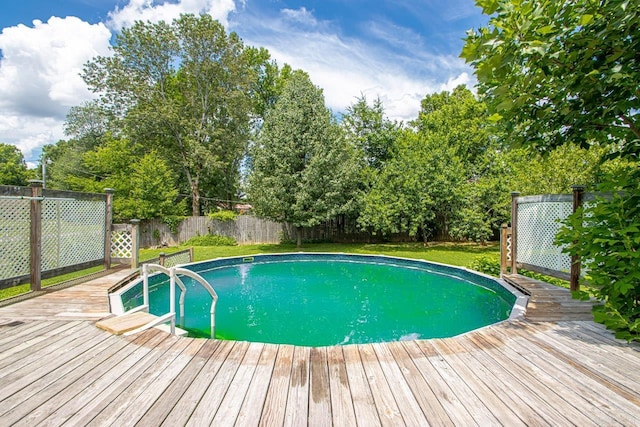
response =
{"points": [[328, 299]]}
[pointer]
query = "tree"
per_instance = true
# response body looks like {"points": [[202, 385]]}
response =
{"points": [[185, 87], [370, 131], [415, 186], [553, 72], [302, 167], [145, 186], [13, 169]]}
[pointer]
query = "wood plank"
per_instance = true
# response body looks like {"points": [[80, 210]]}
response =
{"points": [[341, 401], [517, 389], [422, 392], [617, 378], [409, 407], [18, 405], [297, 406], [184, 407], [453, 406], [57, 355], [131, 404], [12, 337], [386, 405], [23, 349], [472, 378], [363, 402], [235, 395], [82, 399], [586, 395], [165, 403], [320, 392], [274, 406], [251, 410], [119, 325], [210, 402]]}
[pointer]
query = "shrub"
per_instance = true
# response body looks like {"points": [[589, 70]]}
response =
{"points": [[491, 265], [486, 264], [222, 215], [211, 240], [606, 237]]}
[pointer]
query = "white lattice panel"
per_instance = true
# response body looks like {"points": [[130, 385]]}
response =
{"points": [[538, 224], [72, 232], [14, 238], [121, 244], [179, 258]]}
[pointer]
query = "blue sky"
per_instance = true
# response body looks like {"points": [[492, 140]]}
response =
{"points": [[398, 50]]}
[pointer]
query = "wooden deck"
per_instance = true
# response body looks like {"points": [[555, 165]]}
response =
{"points": [[549, 302], [57, 368]]}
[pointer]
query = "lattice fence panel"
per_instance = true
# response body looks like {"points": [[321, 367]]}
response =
{"points": [[538, 224], [72, 232], [178, 258], [14, 238], [121, 244]]}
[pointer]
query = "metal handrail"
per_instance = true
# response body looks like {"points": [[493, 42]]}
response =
{"points": [[146, 268], [173, 280], [214, 296]]}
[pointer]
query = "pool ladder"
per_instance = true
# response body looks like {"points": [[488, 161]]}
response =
{"points": [[174, 280]]}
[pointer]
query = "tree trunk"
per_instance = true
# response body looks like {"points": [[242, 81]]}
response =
{"points": [[195, 200], [299, 237]]}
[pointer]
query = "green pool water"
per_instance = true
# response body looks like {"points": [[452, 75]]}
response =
{"points": [[334, 301]]}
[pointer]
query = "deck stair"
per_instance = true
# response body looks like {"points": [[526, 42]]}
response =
{"points": [[549, 302], [139, 319]]}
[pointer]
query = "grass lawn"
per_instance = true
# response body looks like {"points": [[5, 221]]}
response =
{"points": [[460, 254]]}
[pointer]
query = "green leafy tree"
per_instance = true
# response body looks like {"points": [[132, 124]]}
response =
{"points": [[145, 186], [302, 167], [185, 87], [13, 169], [414, 187], [560, 72], [373, 134], [553, 72]]}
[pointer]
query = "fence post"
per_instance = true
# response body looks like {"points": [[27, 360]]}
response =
{"points": [[107, 227], [503, 249], [574, 283], [162, 257], [135, 242], [35, 238], [514, 232], [191, 254]]}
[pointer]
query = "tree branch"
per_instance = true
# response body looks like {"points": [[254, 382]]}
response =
{"points": [[631, 124]]}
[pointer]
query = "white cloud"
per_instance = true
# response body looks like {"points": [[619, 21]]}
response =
{"points": [[39, 77], [146, 10], [40, 66], [400, 71]]}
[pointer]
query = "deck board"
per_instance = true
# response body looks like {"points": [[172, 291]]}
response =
{"points": [[57, 368]]}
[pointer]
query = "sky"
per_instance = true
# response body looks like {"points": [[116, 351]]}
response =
{"points": [[396, 50]]}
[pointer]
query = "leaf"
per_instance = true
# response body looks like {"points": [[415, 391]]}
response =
{"points": [[585, 20], [494, 118], [546, 30]]}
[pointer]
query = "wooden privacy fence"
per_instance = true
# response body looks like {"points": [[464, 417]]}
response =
{"points": [[529, 242], [248, 229]]}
